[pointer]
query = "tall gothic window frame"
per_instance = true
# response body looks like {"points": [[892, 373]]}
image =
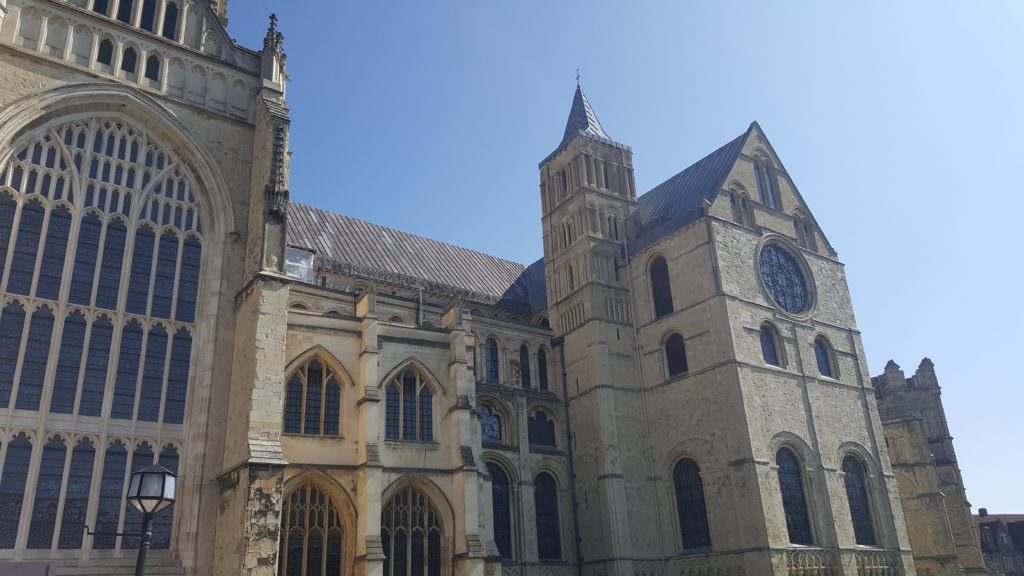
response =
{"points": [[825, 358], [661, 287], [492, 361], [503, 509], [772, 349], [543, 369], [410, 405], [858, 488], [325, 530], [547, 497], [676, 361], [119, 188], [691, 505], [309, 409], [526, 375], [795, 492], [412, 508]]}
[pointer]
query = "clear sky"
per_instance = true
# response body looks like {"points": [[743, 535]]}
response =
{"points": [[900, 122]]}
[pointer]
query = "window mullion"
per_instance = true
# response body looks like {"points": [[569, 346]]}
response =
{"points": [[59, 520], [168, 349], [147, 329], [29, 492]]}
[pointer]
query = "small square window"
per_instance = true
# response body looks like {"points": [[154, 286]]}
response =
{"points": [[299, 264]]}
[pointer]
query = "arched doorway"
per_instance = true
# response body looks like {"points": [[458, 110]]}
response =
{"points": [[411, 533], [312, 534]]}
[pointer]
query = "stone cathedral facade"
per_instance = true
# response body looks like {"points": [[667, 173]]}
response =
{"points": [[677, 387]]}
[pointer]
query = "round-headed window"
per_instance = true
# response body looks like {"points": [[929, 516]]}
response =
{"points": [[784, 279]]}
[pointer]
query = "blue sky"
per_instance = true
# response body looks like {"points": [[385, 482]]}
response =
{"points": [[900, 122]]}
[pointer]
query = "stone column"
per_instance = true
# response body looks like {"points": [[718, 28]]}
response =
{"points": [[369, 553]]}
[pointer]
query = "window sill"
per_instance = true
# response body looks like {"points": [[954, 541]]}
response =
{"points": [[314, 436], [544, 449], [423, 443]]}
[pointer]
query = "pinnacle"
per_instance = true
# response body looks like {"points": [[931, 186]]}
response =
{"points": [[582, 120]]}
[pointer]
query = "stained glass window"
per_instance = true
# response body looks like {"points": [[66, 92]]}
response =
{"points": [[65, 382], [188, 283], [163, 285], [177, 378], [51, 268], [409, 408], [8, 206], [693, 516], [768, 348], [153, 375], [86, 254], [163, 521], [312, 531], [76, 500], [110, 268], [675, 355], [142, 263], [313, 400], [12, 487], [501, 505], [408, 519], [141, 458], [111, 486], [490, 424], [855, 482], [491, 360], [823, 357], [794, 502], [37, 356], [549, 534], [127, 371], [23, 261], [95, 379], [44, 510], [12, 322], [541, 429], [661, 288], [524, 365], [784, 279], [124, 11], [542, 369]]}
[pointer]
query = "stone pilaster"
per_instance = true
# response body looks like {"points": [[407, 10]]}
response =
{"points": [[369, 552]]}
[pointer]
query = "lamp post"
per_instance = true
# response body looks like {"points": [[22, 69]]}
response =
{"points": [[150, 491]]}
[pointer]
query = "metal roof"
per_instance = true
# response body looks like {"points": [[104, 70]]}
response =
{"points": [[583, 122], [362, 249]]}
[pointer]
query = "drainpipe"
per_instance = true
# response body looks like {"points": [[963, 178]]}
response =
{"points": [[559, 343]]}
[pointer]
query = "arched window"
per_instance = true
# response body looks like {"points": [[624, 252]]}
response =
{"points": [[170, 21], [101, 6], [129, 59], [76, 500], [541, 429], [124, 11], [44, 510], [313, 401], [675, 355], [693, 516], [794, 502], [661, 287], [542, 369], [524, 366], [153, 67], [491, 361], [855, 482], [105, 54], [769, 345], [312, 534], [764, 177], [823, 357], [23, 260], [12, 487], [501, 505], [490, 424], [410, 408], [148, 19], [411, 535], [549, 534], [111, 486]]}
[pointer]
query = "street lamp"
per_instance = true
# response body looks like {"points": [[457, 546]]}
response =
{"points": [[150, 491]]}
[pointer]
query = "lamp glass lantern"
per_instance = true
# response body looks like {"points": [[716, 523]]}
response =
{"points": [[152, 489]]}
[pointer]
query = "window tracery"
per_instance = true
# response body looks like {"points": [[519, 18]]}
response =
{"points": [[409, 408], [411, 535], [312, 534], [313, 400]]}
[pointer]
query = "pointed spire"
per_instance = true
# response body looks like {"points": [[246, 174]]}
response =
{"points": [[582, 120]]}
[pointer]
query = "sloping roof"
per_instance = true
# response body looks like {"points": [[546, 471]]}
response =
{"points": [[1005, 518], [582, 121], [679, 200], [359, 248]]}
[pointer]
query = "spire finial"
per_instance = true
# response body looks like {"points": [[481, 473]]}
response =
{"points": [[577, 77]]}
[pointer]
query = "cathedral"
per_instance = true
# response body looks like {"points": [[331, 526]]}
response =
{"points": [[676, 388]]}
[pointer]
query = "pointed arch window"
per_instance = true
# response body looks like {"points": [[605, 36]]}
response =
{"points": [[108, 515], [76, 500], [542, 369], [491, 360], [490, 424], [769, 345], [549, 533], [312, 534], [764, 177], [693, 516], [675, 355], [313, 400], [411, 535], [44, 509], [129, 59], [501, 506], [524, 366], [410, 408], [855, 482], [12, 487], [105, 53], [794, 501], [124, 11], [170, 21], [661, 287], [23, 260], [148, 19], [823, 357], [541, 429], [153, 67]]}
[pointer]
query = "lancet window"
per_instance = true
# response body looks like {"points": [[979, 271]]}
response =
{"points": [[661, 287], [409, 408], [82, 205], [794, 501], [411, 535], [312, 534], [769, 345], [855, 482], [549, 533], [693, 515], [524, 366], [312, 403], [491, 360], [542, 369], [675, 355], [501, 504]]}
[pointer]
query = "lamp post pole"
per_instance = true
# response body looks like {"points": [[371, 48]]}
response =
{"points": [[144, 544]]}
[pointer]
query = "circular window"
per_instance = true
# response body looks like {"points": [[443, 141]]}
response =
{"points": [[784, 279]]}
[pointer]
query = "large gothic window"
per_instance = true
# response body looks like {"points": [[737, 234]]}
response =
{"points": [[100, 258], [693, 516], [549, 534], [794, 501], [312, 403], [409, 408], [661, 287], [501, 505], [312, 534], [411, 535], [855, 482]]}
